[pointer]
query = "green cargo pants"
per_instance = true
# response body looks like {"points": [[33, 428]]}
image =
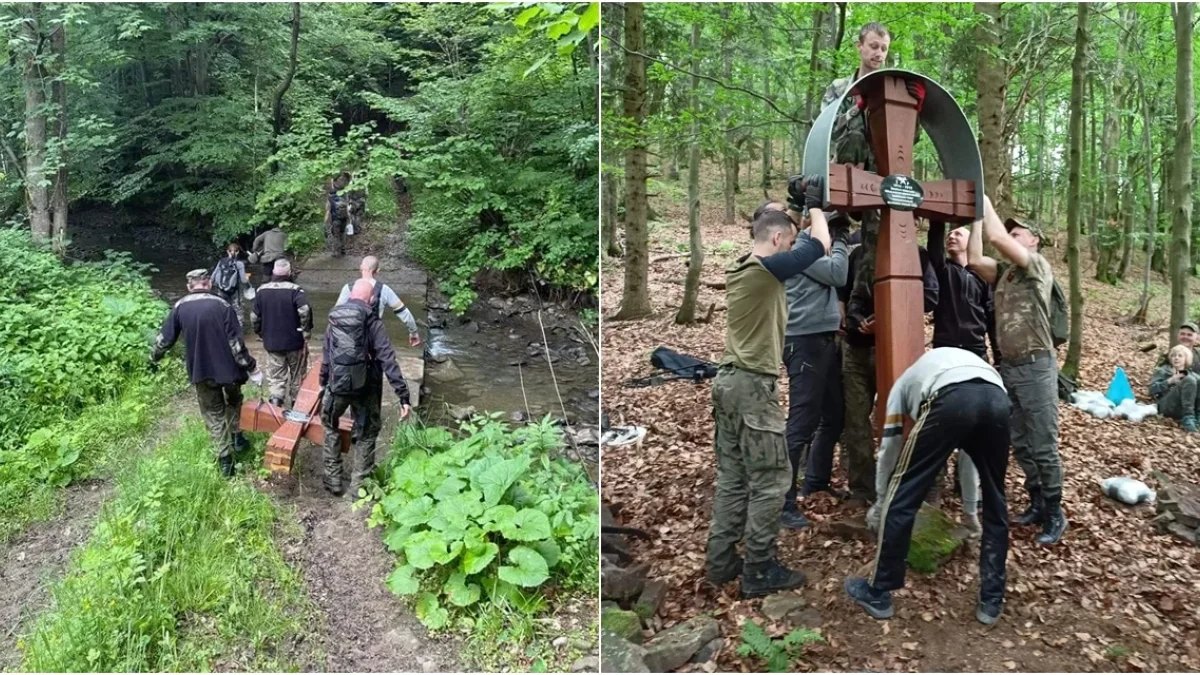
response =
{"points": [[858, 392], [366, 410], [1032, 384], [753, 470], [221, 408]]}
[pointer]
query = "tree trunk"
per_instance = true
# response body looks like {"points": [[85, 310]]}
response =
{"points": [[691, 288], [1075, 344], [635, 300], [766, 141], [285, 84], [1040, 212], [1181, 176], [1151, 212], [37, 186], [58, 97], [609, 214], [991, 83], [729, 152]]}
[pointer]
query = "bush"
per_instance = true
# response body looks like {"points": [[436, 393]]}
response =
{"points": [[70, 335], [180, 574], [487, 515]]}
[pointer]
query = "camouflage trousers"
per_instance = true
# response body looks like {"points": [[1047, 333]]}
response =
{"points": [[285, 371], [335, 237], [1181, 398], [858, 441], [366, 410], [221, 408], [753, 470], [1032, 384], [234, 299]]}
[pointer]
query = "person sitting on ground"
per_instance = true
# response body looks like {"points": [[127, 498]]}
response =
{"points": [[955, 400], [1174, 387], [384, 296], [1187, 337]]}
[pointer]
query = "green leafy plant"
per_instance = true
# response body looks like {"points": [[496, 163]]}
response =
{"points": [[490, 514], [777, 653]]}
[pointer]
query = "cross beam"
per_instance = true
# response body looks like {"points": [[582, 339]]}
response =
{"points": [[288, 427]]}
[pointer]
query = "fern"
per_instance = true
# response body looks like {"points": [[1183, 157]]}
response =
{"points": [[778, 653]]}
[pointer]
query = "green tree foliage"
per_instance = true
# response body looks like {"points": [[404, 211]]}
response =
{"points": [[485, 114]]}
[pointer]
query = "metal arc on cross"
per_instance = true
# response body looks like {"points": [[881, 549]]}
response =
{"points": [[892, 117]]}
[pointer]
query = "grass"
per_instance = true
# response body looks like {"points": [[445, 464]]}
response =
{"points": [[180, 574], [32, 477]]}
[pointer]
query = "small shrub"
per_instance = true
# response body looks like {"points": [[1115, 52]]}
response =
{"points": [[777, 653], [493, 514]]}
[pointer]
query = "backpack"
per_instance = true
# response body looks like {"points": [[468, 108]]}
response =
{"points": [[226, 276], [1060, 330], [338, 206], [349, 362]]}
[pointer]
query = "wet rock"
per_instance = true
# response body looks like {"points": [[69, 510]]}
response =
{"points": [[622, 583], [594, 394], [496, 303], [493, 346], [460, 413], [650, 599], [622, 622], [585, 664], [618, 655], [471, 326], [673, 647], [560, 642], [1185, 533], [709, 651], [519, 416], [777, 606], [439, 358], [447, 371], [809, 618], [584, 361]]}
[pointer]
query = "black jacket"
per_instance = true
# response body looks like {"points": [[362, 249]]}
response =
{"points": [[379, 350], [281, 315], [966, 311], [212, 339], [858, 309]]}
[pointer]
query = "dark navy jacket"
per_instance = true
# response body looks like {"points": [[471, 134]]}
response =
{"points": [[281, 315], [212, 339]]}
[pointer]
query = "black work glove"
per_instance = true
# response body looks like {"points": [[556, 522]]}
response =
{"points": [[805, 191], [839, 227]]}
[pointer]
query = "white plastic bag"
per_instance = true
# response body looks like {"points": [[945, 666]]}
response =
{"points": [[248, 292], [1128, 490]]}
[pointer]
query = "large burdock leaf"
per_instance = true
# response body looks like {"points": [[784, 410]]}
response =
{"points": [[459, 592], [529, 568], [401, 581], [431, 613], [526, 525], [497, 478]]}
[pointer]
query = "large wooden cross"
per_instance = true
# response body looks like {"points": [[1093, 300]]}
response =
{"points": [[899, 315], [287, 427]]}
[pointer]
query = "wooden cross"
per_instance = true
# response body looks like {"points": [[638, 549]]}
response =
{"points": [[899, 315], [288, 427]]}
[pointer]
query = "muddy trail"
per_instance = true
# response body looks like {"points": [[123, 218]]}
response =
{"points": [[1115, 595]]}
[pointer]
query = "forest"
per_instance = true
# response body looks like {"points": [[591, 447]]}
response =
{"points": [[228, 119], [738, 85]]}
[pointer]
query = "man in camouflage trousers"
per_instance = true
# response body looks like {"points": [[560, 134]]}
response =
{"points": [[753, 469], [1024, 288], [283, 318], [216, 357]]}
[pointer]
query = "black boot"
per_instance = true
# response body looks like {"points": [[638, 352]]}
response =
{"points": [[226, 466], [769, 577], [792, 519], [1036, 513], [277, 402], [1056, 523], [240, 441], [719, 578]]}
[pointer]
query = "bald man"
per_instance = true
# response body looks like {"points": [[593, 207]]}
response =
{"points": [[357, 355], [383, 296]]}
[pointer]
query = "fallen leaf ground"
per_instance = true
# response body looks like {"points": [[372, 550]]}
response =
{"points": [[1114, 596]]}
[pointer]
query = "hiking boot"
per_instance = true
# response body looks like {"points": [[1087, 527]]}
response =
{"points": [[226, 464], [240, 441], [970, 522], [275, 401], [877, 603], [719, 579], [765, 578], [792, 519], [1189, 423], [988, 612], [1055, 525], [1035, 514], [335, 490]]}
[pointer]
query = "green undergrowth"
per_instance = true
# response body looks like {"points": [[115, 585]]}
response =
{"points": [[933, 541], [181, 573], [495, 534]]}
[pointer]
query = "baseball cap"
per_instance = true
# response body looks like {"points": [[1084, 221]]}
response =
{"points": [[1191, 325], [1027, 224], [197, 275]]}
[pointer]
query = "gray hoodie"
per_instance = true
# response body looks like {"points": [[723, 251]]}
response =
{"points": [[812, 296]]}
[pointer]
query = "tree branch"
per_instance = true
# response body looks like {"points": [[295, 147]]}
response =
{"points": [[714, 80]]}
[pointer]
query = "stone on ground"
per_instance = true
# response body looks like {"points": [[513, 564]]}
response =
{"points": [[935, 538], [622, 583], [674, 646], [618, 655], [650, 599], [621, 622]]}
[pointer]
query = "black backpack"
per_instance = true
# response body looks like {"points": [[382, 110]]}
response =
{"points": [[349, 363], [226, 276]]}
